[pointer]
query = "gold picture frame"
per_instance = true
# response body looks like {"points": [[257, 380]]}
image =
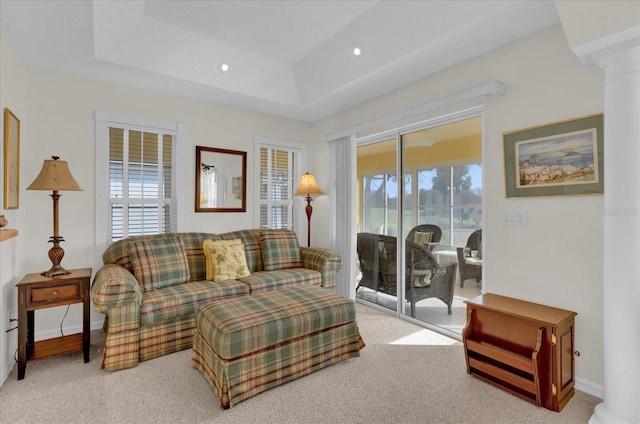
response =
{"points": [[556, 159], [11, 160]]}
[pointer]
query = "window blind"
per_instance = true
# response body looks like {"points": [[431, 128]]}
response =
{"points": [[140, 182], [276, 187]]}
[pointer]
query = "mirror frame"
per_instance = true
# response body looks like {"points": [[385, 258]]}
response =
{"points": [[243, 156]]}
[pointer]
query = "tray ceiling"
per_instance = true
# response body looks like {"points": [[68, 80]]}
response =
{"points": [[289, 58]]}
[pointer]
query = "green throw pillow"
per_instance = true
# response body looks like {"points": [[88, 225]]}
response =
{"points": [[159, 262], [280, 250], [422, 238]]}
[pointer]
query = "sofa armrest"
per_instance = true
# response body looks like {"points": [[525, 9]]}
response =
{"points": [[327, 262], [117, 294]]}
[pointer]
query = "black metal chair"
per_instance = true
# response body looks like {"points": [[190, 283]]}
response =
{"points": [[469, 265]]}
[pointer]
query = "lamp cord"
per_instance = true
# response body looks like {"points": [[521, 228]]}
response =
{"points": [[65, 315], [15, 354]]}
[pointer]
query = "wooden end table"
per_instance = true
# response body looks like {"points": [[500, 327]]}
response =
{"points": [[37, 291]]}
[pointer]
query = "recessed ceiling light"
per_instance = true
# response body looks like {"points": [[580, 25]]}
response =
{"points": [[223, 66], [357, 49]]}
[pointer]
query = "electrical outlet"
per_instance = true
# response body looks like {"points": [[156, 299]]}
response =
{"points": [[10, 317], [12, 323]]}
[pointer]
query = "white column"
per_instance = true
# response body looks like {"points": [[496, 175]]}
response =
{"points": [[621, 280]]}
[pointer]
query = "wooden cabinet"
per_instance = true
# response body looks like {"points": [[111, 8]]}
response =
{"points": [[36, 291], [522, 347]]}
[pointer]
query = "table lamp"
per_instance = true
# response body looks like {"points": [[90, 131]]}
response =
{"points": [[55, 175], [308, 187]]}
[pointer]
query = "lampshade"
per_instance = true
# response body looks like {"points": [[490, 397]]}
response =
{"points": [[55, 175], [308, 186]]}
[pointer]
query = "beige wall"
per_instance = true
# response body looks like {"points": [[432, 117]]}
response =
{"points": [[587, 20], [57, 117], [62, 106], [12, 259], [556, 259]]}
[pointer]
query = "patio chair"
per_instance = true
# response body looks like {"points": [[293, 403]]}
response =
{"points": [[470, 263], [426, 234], [426, 278], [377, 258], [369, 258]]}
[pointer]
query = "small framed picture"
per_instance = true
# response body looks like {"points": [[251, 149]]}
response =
{"points": [[11, 160]]}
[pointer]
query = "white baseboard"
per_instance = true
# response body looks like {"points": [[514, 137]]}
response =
{"points": [[590, 388], [73, 329], [7, 370], [43, 335]]}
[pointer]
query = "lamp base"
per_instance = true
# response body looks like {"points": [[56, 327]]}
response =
{"points": [[56, 253], [55, 270]]}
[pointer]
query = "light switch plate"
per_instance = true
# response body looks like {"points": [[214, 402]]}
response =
{"points": [[514, 217]]}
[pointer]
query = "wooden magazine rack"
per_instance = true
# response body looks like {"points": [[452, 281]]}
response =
{"points": [[522, 347]]}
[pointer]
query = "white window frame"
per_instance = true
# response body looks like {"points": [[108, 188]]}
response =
{"points": [[451, 205], [106, 120], [386, 173], [299, 150], [414, 188]]}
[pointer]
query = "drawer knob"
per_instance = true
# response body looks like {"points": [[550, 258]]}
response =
{"points": [[55, 292]]}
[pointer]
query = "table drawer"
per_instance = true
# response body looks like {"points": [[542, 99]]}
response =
{"points": [[52, 294]]}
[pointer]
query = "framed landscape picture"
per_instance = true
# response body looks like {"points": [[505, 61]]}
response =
{"points": [[11, 160], [560, 158]]}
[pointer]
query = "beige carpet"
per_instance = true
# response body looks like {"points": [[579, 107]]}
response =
{"points": [[405, 374]]}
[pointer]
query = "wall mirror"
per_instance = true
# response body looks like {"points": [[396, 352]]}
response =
{"points": [[221, 180]]}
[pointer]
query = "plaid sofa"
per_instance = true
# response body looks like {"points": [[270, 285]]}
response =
{"points": [[150, 287]]}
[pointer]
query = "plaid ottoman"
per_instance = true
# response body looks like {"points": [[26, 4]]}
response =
{"points": [[246, 345]]}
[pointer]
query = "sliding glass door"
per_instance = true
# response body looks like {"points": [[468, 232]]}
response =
{"points": [[442, 206], [378, 223], [420, 198]]}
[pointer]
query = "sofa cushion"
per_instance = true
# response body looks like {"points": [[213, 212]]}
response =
{"points": [[479, 252], [225, 260], [265, 281], [158, 262], [470, 260], [280, 249], [118, 252], [192, 243], [422, 238], [172, 302]]}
